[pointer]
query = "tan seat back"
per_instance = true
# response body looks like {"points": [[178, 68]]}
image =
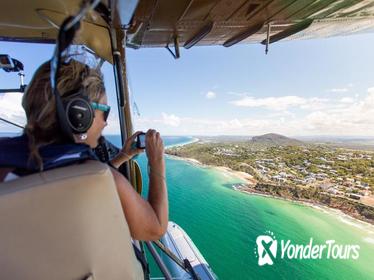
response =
{"points": [[65, 223]]}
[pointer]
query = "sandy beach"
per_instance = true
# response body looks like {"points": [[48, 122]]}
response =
{"points": [[247, 178], [241, 175]]}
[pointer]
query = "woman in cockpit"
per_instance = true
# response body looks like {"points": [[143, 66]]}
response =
{"points": [[44, 146]]}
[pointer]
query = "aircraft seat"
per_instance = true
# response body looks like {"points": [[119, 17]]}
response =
{"points": [[66, 223]]}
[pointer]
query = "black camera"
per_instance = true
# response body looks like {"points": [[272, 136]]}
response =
{"points": [[140, 141]]}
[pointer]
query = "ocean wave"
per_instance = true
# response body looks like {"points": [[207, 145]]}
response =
{"points": [[356, 223]]}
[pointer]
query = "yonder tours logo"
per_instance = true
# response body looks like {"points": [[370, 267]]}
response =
{"points": [[266, 250]]}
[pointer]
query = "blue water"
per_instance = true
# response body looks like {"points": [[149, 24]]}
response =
{"points": [[224, 224]]}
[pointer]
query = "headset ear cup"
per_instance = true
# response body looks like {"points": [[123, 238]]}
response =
{"points": [[79, 114]]}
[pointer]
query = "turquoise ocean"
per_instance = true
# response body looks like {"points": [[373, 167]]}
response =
{"points": [[225, 223]]}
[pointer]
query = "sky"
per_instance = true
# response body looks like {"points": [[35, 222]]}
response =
{"points": [[300, 88]]}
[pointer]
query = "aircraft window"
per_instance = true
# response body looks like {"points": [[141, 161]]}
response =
{"points": [[113, 127], [10, 82], [12, 116]]}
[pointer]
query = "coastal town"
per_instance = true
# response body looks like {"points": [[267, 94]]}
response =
{"points": [[336, 172], [307, 171]]}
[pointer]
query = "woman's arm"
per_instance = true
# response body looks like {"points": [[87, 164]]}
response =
{"points": [[157, 194], [147, 220], [120, 159], [144, 224]]}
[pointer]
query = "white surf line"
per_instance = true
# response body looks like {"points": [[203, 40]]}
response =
{"points": [[194, 140]]}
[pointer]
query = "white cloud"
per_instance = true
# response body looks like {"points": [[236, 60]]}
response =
{"points": [[11, 109], [171, 120], [354, 118], [280, 103], [210, 95], [338, 90], [371, 90], [317, 117], [234, 126], [347, 100], [272, 103], [315, 103]]}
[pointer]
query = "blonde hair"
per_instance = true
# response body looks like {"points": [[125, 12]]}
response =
{"points": [[42, 126]]}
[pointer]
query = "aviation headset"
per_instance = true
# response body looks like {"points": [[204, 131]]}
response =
{"points": [[75, 113], [79, 113]]}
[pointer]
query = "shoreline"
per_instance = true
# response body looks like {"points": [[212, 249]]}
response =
{"points": [[344, 217], [247, 178], [194, 140]]}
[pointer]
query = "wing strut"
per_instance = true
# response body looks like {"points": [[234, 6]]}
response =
{"points": [[268, 38], [176, 53]]}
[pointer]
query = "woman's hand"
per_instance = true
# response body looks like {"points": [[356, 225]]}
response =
{"points": [[154, 148], [128, 151]]}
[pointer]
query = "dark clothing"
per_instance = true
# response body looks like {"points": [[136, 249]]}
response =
{"points": [[14, 153]]}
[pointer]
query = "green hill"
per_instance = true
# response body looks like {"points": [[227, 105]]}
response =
{"points": [[273, 139]]}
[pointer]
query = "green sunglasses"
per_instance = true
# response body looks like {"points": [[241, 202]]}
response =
{"points": [[102, 107]]}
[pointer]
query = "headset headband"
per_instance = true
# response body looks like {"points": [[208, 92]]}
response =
{"points": [[64, 39]]}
